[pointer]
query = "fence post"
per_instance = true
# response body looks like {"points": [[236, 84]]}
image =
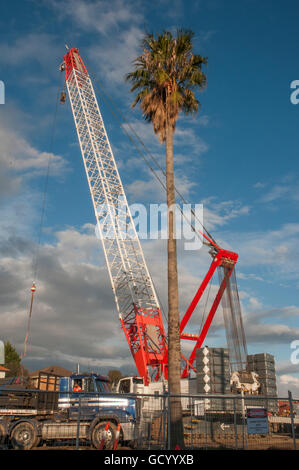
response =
{"points": [[292, 418], [192, 438], [149, 431], [78, 424], [206, 425], [168, 421], [235, 424], [243, 420], [164, 418]]}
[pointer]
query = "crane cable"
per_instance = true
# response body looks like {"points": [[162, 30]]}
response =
{"points": [[114, 109], [104, 94], [43, 209]]}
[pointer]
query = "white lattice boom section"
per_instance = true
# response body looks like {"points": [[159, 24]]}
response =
{"points": [[135, 296]]}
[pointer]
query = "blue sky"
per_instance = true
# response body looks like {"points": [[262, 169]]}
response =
{"points": [[239, 157]]}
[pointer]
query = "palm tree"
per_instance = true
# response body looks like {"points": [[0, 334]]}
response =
{"points": [[165, 77]]}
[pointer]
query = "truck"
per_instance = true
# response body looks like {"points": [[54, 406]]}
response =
{"points": [[135, 385], [81, 410]]}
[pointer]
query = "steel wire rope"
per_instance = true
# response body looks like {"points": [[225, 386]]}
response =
{"points": [[104, 94], [161, 182], [114, 109], [35, 259]]}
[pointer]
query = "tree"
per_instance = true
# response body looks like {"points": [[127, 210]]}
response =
{"points": [[114, 376], [165, 77], [13, 362], [12, 359]]}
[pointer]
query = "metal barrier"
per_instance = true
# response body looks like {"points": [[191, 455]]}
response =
{"points": [[229, 422], [32, 418]]}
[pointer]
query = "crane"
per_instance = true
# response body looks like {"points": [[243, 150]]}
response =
{"points": [[135, 296]]}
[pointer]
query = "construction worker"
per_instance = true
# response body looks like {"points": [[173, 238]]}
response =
{"points": [[77, 387]]}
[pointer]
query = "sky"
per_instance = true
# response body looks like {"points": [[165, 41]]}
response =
{"points": [[238, 157]]}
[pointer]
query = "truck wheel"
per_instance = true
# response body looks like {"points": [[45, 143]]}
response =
{"points": [[37, 442], [2, 434], [23, 436], [98, 434]]}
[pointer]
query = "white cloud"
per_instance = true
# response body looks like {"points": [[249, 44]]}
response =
{"points": [[272, 254], [217, 214], [118, 24], [254, 303], [73, 300], [276, 192], [288, 382], [40, 48], [114, 59], [101, 16], [270, 333], [19, 159], [285, 190], [17, 154], [286, 379], [188, 145], [259, 185], [151, 190]]}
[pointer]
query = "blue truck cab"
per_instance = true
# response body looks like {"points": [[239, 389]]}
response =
{"points": [[91, 396], [85, 406], [81, 385]]}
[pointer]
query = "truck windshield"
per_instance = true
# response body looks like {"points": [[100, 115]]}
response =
{"points": [[102, 386], [137, 380]]}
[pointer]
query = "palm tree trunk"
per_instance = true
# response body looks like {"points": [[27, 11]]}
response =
{"points": [[174, 348]]}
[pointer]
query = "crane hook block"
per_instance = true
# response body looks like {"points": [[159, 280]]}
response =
{"points": [[33, 288], [62, 97]]}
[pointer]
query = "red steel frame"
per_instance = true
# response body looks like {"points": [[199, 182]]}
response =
{"points": [[224, 258], [143, 351], [135, 332], [73, 61]]}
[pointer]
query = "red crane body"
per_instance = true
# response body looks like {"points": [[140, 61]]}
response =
{"points": [[137, 303]]}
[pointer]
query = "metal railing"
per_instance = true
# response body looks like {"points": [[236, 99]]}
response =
{"points": [[209, 421]]}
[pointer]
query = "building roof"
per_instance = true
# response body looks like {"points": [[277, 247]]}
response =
{"points": [[4, 369], [55, 370]]}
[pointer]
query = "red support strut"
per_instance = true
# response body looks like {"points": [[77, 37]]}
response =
{"points": [[222, 258]]}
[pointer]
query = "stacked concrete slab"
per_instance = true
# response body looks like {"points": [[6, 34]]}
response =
{"points": [[264, 365]]}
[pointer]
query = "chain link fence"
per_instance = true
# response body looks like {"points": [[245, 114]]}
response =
{"points": [[34, 419], [235, 422]]}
